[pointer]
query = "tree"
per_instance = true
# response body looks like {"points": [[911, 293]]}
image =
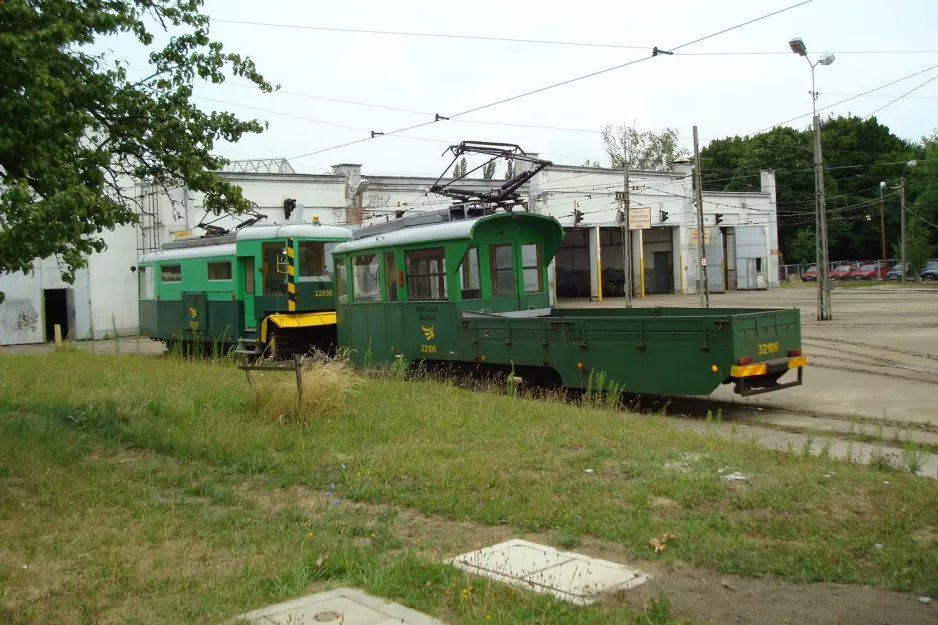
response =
{"points": [[648, 151], [510, 170], [858, 154], [488, 171], [460, 168], [919, 245], [84, 131], [803, 249]]}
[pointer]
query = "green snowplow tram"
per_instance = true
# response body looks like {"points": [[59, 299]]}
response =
{"points": [[470, 293]]}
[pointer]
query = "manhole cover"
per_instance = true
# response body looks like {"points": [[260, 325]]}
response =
{"points": [[325, 617]]}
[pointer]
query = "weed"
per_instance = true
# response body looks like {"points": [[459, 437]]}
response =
{"points": [[808, 445], [912, 456], [825, 448], [568, 541], [327, 384]]}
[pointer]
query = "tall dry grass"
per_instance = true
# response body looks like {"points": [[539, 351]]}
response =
{"points": [[327, 386]]}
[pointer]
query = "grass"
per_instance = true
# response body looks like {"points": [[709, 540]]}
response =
{"points": [[149, 490]]}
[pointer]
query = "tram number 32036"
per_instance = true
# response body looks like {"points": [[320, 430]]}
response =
{"points": [[768, 348], [322, 293], [428, 349]]}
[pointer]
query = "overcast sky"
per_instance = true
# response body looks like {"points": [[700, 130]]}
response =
{"points": [[723, 95]]}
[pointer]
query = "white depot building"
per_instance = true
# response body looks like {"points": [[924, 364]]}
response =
{"points": [[739, 233]]}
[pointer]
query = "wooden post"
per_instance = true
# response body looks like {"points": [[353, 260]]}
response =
{"points": [[58, 335], [299, 381]]}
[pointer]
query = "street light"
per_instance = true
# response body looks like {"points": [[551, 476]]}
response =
{"points": [[820, 207]]}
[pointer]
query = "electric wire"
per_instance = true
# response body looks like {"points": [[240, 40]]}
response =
{"points": [[902, 96], [581, 44], [823, 108], [559, 84]]}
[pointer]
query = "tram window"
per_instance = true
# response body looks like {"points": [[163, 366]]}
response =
{"points": [[312, 259], [503, 269], [274, 261], [171, 273], [249, 275], [219, 270], [145, 275], [365, 278], [469, 275], [426, 274], [531, 267], [340, 284], [390, 276]]}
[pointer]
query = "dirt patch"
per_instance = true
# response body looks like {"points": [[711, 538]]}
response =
{"points": [[714, 597], [695, 593]]}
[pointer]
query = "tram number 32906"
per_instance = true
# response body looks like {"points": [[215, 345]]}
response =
{"points": [[768, 348]]}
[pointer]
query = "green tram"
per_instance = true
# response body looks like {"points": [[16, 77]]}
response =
{"points": [[246, 288], [470, 293]]}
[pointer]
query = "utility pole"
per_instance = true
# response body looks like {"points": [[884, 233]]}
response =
{"points": [[702, 248], [882, 219], [902, 221], [820, 203], [820, 206], [627, 242]]}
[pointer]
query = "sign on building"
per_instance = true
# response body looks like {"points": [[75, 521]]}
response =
{"points": [[694, 235], [640, 219]]}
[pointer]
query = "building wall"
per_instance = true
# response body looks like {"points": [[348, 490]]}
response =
{"points": [[106, 293], [22, 313]]}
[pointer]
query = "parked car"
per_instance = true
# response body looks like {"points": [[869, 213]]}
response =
{"points": [[930, 272], [870, 272], [896, 272], [844, 272], [810, 274]]}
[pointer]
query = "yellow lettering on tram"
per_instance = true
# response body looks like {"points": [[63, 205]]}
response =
{"points": [[768, 348]]}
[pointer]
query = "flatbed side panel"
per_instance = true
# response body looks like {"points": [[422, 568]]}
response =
{"points": [[652, 355], [767, 335]]}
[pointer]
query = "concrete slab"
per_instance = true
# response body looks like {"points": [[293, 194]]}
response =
{"points": [[566, 575], [347, 606]]}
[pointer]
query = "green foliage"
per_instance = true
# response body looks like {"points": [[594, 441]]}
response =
{"points": [[510, 170], [919, 246], [84, 131], [858, 154], [647, 151], [460, 168], [803, 248], [488, 171]]}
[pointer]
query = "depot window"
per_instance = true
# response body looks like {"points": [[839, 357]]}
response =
{"points": [[171, 273], [426, 274], [469, 275], [340, 284], [503, 269], [365, 278], [219, 270], [531, 268]]}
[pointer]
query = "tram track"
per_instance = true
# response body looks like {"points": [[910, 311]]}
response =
{"points": [[817, 339]]}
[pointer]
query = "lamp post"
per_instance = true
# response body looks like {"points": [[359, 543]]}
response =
{"points": [[820, 204]]}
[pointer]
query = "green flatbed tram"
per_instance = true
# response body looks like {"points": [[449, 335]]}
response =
{"points": [[464, 291], [243, 289]]}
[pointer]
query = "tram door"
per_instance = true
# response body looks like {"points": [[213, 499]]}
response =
{"points": [[250, 277]]}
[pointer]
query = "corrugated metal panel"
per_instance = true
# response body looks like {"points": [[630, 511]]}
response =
{"points": [[715, 262], [750, 244]]}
